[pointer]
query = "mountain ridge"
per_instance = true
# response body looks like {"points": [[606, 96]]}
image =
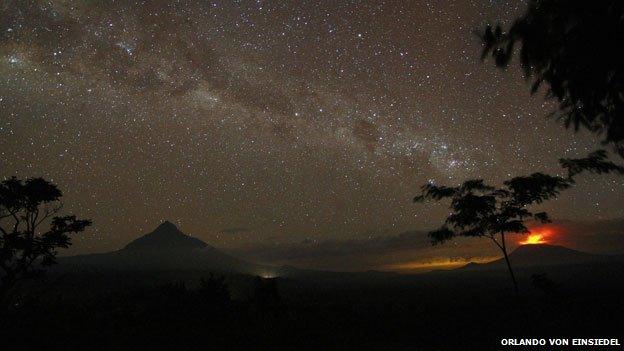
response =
{"points": [[534, 255], [165, 236], [165, 248]]}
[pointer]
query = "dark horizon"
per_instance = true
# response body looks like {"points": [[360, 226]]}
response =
{"points": [[411, 252]]}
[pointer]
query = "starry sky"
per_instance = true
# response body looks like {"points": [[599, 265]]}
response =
{"points": [[271, 123]]}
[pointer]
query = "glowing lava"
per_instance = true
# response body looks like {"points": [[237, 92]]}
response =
{"points": [[537, 236], [533, 239]]}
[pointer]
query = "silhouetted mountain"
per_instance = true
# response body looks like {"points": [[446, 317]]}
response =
{"points": [[543, 255], [165, 237], [165, 248]]}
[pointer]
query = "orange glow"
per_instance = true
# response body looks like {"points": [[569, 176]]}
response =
{"points": [[442, 264], [533, 239], [537, 236]]}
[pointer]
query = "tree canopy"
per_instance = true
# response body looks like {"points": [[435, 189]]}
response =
{"points": [[482, 210], [31, 230], [574, 49]]}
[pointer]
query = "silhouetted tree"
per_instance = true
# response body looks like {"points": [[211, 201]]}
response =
{"points": [[481, 210], [596, 162], [571, 48], [30, 230]]}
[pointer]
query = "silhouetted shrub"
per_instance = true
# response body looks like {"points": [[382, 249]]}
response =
{"points": [[31, 230]]}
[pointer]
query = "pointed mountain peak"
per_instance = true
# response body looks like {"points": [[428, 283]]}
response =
{"points": [[166, 236], [168, 226]]}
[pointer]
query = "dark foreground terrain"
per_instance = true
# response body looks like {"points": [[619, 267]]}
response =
{"points": [[466, 309]]}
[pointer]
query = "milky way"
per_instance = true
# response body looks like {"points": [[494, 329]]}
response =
{"points": [[257, 121]]}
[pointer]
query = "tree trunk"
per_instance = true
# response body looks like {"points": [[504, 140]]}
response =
{"points": [[513, 277]]}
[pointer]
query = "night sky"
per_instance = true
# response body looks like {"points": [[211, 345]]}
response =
{"points": [[273, 125]]}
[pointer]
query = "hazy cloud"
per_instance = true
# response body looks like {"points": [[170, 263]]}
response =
{"points": [[414, 247]]}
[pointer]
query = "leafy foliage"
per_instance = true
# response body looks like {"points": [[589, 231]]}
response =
{"points": [[571, 47], [25, 208], [478, 209], [481, 210], [596, 162]]}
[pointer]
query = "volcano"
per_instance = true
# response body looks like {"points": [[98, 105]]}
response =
{"points": [[165, 237], [537, 255], [165, 248], [545, 254]]}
